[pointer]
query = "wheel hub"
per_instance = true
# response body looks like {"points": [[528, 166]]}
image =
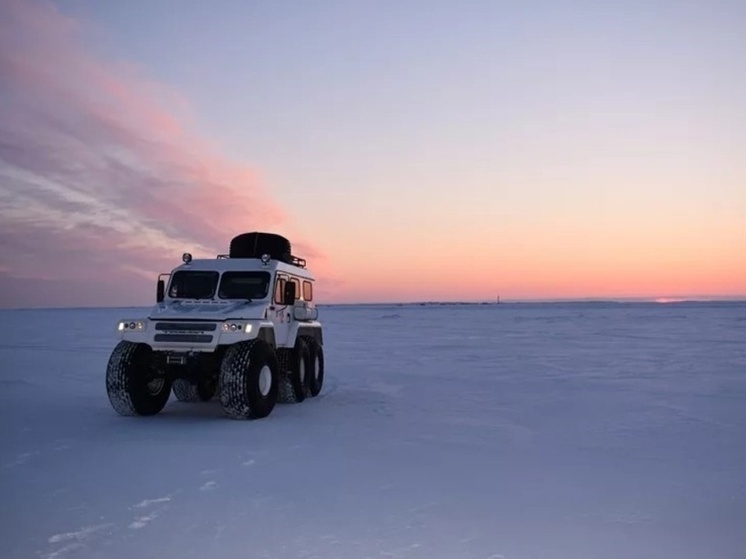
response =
{"points": [[155, 386], [265, 380]]}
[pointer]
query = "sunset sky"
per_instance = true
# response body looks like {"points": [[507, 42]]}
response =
{"points": [[413, 150]]}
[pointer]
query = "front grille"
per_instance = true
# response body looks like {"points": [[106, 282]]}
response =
{"points": [[186, 326], [184, 338]]}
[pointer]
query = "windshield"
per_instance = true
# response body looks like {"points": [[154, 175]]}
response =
{"points": [[244, 285], [188, 284], [193, 285]]}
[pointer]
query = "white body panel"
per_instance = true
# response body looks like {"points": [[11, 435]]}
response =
{"points": [[201, 325]]}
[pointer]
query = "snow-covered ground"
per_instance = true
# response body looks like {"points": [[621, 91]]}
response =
{"points": [[513, 431]]}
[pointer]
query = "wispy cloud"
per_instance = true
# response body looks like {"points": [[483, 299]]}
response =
{"points": [[100, 174]]}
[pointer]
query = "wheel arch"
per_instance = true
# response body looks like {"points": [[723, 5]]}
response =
{"points": [[312, 331], [267, 334]]}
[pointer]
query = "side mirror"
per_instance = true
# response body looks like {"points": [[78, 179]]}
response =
{"points": [[160, 291], [289, 295]]}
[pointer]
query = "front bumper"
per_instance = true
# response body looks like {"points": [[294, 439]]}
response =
{"points": [[188, 336]]}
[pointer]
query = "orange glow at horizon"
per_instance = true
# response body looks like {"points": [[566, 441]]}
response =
{"points": [[566, 265]]}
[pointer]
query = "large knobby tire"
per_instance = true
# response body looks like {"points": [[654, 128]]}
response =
{"points": [[316, 371], [249, 380], [254, 245], [186, 391], [133, 385], [295, 369]]}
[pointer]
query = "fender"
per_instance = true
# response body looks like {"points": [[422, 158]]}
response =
{"points": [[312, 331], [267, 334]]}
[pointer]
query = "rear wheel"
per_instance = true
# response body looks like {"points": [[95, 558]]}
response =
{"points": [[208, 388], [316, 371], [295, 369], [201, 391], [133, 385], [249, 380]]}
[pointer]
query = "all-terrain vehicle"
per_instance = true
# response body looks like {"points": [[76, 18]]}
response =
{"points": [[242, 326]]}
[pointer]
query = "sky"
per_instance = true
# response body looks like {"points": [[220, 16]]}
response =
{"points": [[451, 151]]}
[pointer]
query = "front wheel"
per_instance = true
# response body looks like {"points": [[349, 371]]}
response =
{"points": [[133, 385], [249, 380]]}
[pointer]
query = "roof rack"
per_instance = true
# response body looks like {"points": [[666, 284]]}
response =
{"points": [[293, 260], [300, 262]]}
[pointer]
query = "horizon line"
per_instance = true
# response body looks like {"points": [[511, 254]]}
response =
{"points": [[661, 300]]}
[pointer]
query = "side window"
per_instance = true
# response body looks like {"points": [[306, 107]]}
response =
{"points": [[296, 281], [307, 291], [280, 291]]}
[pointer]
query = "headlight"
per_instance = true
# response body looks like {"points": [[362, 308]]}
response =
{"points": [[236, 327], [131, 325]]}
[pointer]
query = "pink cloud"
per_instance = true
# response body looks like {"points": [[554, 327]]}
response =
{"points": [[99, 167]]}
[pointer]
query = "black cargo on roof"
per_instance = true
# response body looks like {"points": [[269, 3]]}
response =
{"points": [[255, 244]]}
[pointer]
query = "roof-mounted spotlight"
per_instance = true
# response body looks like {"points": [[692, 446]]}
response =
{"points": [[186, 257], [265, 258]]}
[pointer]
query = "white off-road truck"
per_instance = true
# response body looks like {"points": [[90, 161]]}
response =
{"points": [[242, 326]]}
